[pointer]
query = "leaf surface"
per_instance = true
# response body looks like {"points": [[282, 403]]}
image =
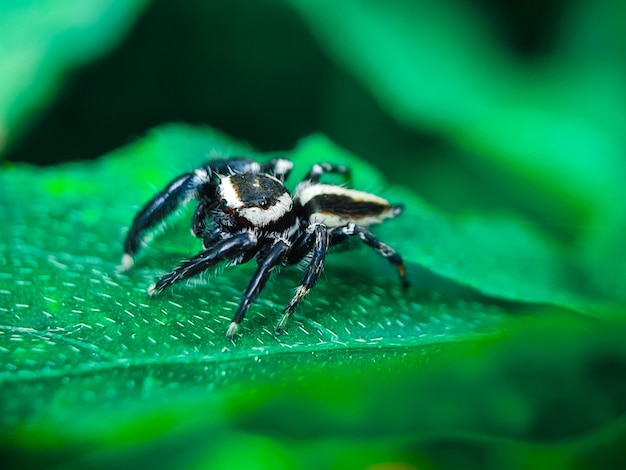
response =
{"points": [[85, 354]]}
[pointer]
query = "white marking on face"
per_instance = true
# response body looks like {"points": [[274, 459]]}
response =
{"points": [[261, 217], [229, 192], [258, 216]]}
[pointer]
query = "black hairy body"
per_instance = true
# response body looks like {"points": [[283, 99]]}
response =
{"points": [[244, 211]]}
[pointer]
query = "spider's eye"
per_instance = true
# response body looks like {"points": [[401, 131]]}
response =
{"points": [[263, 202], [224, 205]]}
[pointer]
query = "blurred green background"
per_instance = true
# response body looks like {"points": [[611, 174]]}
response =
{"points": [[479, 109], [515, 106]]}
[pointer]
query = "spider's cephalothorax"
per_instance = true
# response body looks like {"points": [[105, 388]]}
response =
{"points": [[245, 211], [250, 200]]}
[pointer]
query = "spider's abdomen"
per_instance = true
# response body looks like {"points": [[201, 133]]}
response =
{"points": [[335, 206]]}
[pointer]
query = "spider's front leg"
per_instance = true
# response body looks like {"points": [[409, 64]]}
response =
{"points": [[279, 167], [227, 248], [315, 239], [176, 193], [319, 169], [274, 257]]}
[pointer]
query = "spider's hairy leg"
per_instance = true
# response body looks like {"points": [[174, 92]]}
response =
{"points": [[319, 169], [279, 167], [340, 234], [228, 166], [227, 248], [316, 238], [176, 193], [272, 258]]}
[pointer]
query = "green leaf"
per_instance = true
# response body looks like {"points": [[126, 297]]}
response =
{"points": [[86, 356], [63, 296], [42, 40]]}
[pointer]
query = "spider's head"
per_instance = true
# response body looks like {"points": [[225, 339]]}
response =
{"points": [[255, 200]]}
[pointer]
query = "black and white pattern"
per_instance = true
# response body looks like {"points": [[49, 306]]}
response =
{"points": [[244, 211]]}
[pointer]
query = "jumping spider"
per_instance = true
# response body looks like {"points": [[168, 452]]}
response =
{"points": [[244, 211]]}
